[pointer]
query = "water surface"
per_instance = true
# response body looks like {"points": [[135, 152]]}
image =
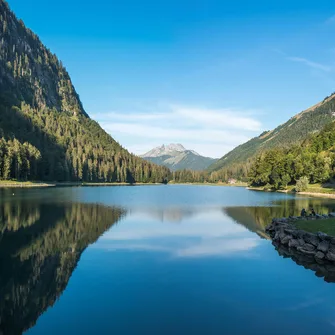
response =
{"points": [[155, 260]]}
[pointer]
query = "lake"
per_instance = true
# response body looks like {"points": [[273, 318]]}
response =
{"points": [[172, 259]]}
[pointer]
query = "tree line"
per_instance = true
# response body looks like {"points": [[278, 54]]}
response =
{"points": [[49, 145], [313, 160]]}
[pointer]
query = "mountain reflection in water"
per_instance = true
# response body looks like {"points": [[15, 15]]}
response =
{"points": [[40, 246], [41, 242]]}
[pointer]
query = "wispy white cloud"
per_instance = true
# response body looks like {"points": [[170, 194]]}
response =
{"points": [[310, 63], [192, 238], [209, 131], [218, 247]]}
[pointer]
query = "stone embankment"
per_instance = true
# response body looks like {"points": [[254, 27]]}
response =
{"points": [[318, 247]]}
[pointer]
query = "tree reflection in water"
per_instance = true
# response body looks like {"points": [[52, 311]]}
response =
{"points": [[40, 246]]}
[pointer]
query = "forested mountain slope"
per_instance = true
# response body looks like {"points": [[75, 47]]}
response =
{"points": [[295, 130], [45, 134], [314, 160]]}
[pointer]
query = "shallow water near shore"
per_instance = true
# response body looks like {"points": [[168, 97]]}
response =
{"points": [[175, 259]]}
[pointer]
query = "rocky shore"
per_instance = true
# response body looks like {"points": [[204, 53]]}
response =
{"points": [[318, 247]]}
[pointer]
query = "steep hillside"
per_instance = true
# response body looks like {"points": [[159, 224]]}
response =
{"points": [[176, 157], [45, 134], [311, 161], [295, 130]]}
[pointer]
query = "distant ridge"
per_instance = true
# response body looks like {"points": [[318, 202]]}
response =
{"points": [[177, 157], [295, 130]]}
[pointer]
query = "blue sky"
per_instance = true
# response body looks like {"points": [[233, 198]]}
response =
{"points": [[208, 74]]}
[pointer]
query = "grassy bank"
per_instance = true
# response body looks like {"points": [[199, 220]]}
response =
{"points": [[313, 226], [238, 184], [317, 190]]}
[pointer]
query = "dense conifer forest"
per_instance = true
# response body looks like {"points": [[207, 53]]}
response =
{"points": [[314, 160]]}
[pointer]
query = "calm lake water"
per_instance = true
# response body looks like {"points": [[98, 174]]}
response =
{"points": [[155, 260]]}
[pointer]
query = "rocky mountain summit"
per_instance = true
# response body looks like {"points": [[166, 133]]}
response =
{"points": [[177, 157]]}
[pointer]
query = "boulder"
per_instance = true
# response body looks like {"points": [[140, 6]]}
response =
{"points": [[300, 233], [332, 215], [323, 246], [307, 249], [293, 243], [319, 255], [330, 256], [276, 236], [281, 235], [301, 241], [311, 239], [318, 216], [286, 239], [322, 236]]}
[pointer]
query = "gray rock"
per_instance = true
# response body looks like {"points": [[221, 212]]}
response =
{"points": [[322, 236], [286, 239], [311, 239], [318, 216], [300, 233], [309, 247], [306, 252], [332, 215], [330, 256], [323, 246], [281, 235], [293, 243], [301, 241], [319, 255]]}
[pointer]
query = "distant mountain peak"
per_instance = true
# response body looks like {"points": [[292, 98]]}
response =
{"points": [[176, 157], [167, 150]]}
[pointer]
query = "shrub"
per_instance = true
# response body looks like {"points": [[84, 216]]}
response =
{"points": [[302, 184]]}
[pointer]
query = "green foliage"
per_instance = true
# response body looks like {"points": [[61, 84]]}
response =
{"points": [[312, 161], [302, 184]]}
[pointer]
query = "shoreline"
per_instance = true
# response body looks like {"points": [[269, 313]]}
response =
{"points": [[29, 184], [66, 184], [309, 193]]}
